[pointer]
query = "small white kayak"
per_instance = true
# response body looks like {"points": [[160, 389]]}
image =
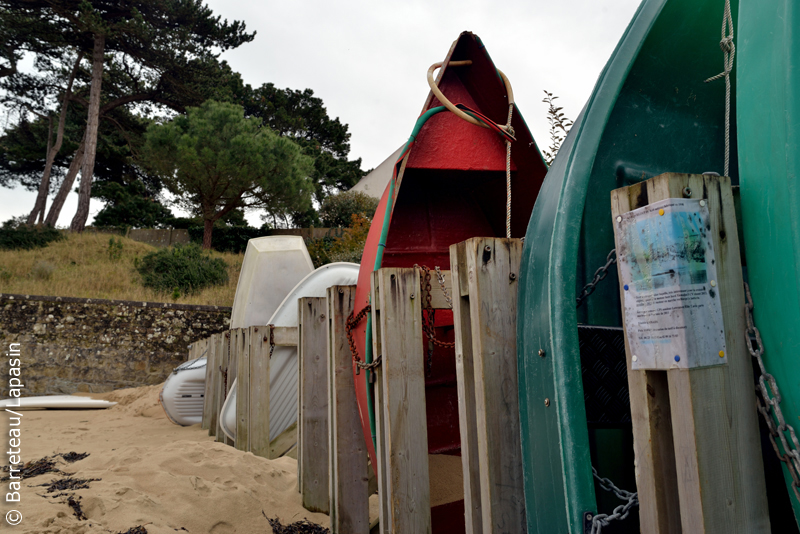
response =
{"points": [[55, 402], [283, 366], [183, 392]]}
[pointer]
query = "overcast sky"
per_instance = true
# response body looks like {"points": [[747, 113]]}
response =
{"points": [[367, 59]]}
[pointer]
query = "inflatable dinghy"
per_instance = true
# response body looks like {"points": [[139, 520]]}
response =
{"points": [[272, 266], [283, 369], [183, 392]]}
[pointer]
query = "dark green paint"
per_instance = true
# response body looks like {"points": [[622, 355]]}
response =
{"points": [[649, 113], [768, 76]]}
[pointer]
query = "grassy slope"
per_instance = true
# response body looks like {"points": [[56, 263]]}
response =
{"points": [[82, 268]]}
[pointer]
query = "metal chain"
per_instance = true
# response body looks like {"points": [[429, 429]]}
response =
{"points": [[352, 321], [447, 296], [620, 512], [428, 323], [769, 402], [271, 340], [599, 275]]}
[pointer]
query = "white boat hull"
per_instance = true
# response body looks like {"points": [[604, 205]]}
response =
{"points": [[283, 367]]}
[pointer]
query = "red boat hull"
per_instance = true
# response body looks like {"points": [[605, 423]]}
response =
{"points": [[453, 187]]}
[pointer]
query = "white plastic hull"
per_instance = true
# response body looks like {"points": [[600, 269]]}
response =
{"points": [[283, 367]]}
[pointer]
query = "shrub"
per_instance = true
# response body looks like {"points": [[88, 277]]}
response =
{"points": [[348, 247], [15, 236], [185, 269], [114, 249], [337, 210], [43, 270]]}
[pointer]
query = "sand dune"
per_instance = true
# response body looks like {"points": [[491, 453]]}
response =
{"points": [[153, 473]]}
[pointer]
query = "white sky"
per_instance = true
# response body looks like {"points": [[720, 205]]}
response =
{"points": [[367, 60]]}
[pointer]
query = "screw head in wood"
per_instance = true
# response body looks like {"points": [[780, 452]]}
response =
{"points": [[512, 276], [542, 353], [687, 193], [487, 248], [413, 295], [547, 402]]}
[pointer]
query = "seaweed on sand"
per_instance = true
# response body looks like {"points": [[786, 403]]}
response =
{"points": [[298, 527], [76, 508], [72, 457], [34, 468], [135, 530], [68, 483]]}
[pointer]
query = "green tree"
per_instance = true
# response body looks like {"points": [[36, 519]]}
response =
{"points": [[302, 117], [129, 205], [148, 39], [214, 160]]}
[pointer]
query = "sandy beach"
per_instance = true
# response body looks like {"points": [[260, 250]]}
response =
{"points": [[151, 472]]}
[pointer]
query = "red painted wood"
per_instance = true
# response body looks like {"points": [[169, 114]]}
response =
{"points": [[453, 188]]}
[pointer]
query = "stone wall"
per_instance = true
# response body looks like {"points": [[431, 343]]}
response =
{"points": [[93, 345]]}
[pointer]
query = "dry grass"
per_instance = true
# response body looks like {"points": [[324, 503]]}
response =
{"points": [[82, 268]]}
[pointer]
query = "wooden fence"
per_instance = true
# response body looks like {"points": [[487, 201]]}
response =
{"points": [[481, 288]]}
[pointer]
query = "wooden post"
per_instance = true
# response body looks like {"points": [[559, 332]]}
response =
{"points": [[349, 477], [233, 368], [484, 288], [403, 446], [696, 435], [243, 389], [259, 390], [209, 415], [312, 457], [224, 350]]}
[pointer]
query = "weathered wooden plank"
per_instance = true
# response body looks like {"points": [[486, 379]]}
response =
{"points": [[233, 363], [284, 336], [313, 417], [715, 430], [349, 480], [656, 478], [465, 377], [403, 401], [224, 348], [259, 390], [208, 386], [384, 488], [243, 390], [438, 299], [284, 443], [493, 267]]}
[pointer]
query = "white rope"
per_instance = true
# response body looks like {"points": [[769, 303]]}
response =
{"points": [[729, 51], [508, 170]]}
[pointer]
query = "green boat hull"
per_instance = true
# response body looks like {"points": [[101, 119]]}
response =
{"points": [[649, 113], [768, 112]]}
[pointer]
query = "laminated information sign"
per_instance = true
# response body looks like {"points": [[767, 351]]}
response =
{"points": [[673, 316]]}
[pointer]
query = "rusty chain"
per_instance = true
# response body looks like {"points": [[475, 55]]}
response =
{"points": [[599, 275], [769, 402], [428, 319], [352, 321], [271, 339], [447, 296]]}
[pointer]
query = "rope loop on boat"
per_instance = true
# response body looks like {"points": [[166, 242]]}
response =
{"points": [[508, 170], [729, 52]]}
